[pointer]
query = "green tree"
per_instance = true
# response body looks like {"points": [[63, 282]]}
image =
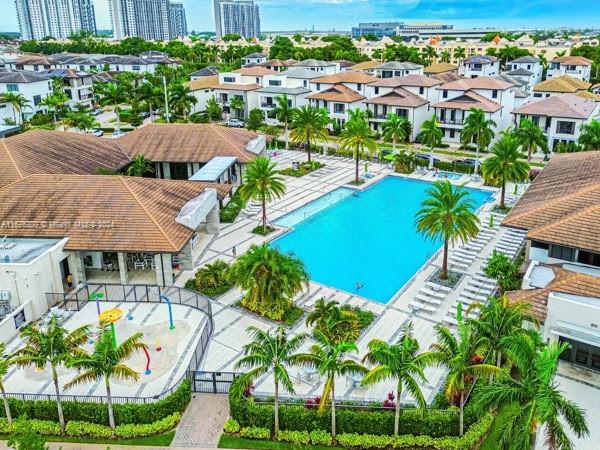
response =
{"points": [[18, 102], [339, 325], [504, 270], [447, 213], [532, 398], [401, 362], [51, 345], [394, 129], [107, 361], [263, 183], [429, 54], [212, 276], [329, 358], [358, 137], [270, 278], [477, 127], [82, 120], [309, 124], [256, 119], [404, 161], [431, 136], [181, 99], [530, 137], [139, 166], [151, 95], [6, 362], [270, 353], [284, 114], [504, 164], [237, 104], [445, 56], [590, 135], [459, 355], [459, 53], [213, 109], [114, 94], [29, 440]]}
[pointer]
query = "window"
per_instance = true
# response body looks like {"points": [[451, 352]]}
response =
{"points": [[495, 93], [589, 258], [402, 112], [339, 108], [135, 67], [421, 90], [560, 252], [12, 87], [358, 86], [535, 120], [274, 82], [452, 132], [37, 99], [563, 127], [305, 83], [257, 80], [179, 171], [36, 67], [538, 244], [444, 93], [229, 79], [537, 95], [318, 86]]}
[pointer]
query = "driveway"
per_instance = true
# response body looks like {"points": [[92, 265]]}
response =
{"points": [[202, 423]]}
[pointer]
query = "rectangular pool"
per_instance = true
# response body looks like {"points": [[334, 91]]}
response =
{"points": [[369, 237]]}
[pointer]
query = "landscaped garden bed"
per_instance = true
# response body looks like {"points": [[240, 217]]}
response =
{"points": [[231, 210], [211, 280], [263, 231], [451, 280], [304, 168]]}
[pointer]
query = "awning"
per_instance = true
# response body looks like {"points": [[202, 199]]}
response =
{"points": [[577, 333], [212, 170]]}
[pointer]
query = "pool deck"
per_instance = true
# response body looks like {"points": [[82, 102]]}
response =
{"points": [[230, 322]]}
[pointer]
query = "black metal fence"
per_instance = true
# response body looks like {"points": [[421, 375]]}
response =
{"points": [[212, 382]]}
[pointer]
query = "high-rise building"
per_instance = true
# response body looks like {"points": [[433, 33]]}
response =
{"points": [[56, 18], [156, 20], [237, 17]]}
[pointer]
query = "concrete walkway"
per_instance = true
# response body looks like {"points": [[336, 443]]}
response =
{"points": [[202, 423]]}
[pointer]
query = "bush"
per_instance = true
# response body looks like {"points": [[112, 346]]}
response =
{"points": [[305, 168], [230, 212], [294, 437], [136, 430], [366, 441], [231, 426], [320, 437], [255, 433], [77, 428], [211, 280]]}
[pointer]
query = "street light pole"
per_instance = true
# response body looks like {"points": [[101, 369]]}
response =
{"points": [[167, 113]]}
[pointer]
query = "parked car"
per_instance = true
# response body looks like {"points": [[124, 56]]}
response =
{"points": [[97, 132], [466, 161], [96, 112], [144, 115], [118, 133], [235, 123], [424, 157]]}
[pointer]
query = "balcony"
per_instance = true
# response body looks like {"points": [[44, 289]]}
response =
{"points": [[449, 121], [267, 105]]}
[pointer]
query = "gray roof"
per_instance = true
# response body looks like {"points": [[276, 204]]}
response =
{"points": [[397, 65], [520, 93], [523, 72], [313, 63], [284, 90], [480, 59], [507, 78], [302, 73], [255, 55], [22, 76], [525, 59], [206, 72]]}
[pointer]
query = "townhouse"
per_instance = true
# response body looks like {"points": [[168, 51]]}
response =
{"points": [[279, 65], [77, 85], [322, 67], [203, 89], [34, 86], [564, 84], [146, 62], [253, 59], [527, 68], [440, 68], [237, 84], [33, 62], [479, 66], [296, 88], [574, 66], [398, 69]]}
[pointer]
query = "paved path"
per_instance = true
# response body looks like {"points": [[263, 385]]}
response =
{"points": [[202, 423]]}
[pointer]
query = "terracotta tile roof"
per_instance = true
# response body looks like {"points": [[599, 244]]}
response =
{"points": [[367, 65], [447, 77], [465, 84], [351, 76], [565, 105], [440, 68], [43, 151], [564, 84], [573, 60], [34, 58], [237, 87], [278, 63], [399, 97], [188, 142], [140, 212], [565, 281], [408, 80], [338, 93], [469, 100], [561, 205], [588, 95], [255, 71], [203, 83]]}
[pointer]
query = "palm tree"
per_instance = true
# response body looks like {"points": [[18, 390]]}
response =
{"points": [[18, 102], [114, 94], [82, 120], [430, 54], [308, 125], [270, 278], [329, 358], [106, 361], [400, 362], [6, 362], [150, 94], [459, 53], [537, 396], [447, 213], [356, 137], [263, 183], [182, 99], [139, 166], [431, 136], [459, 356], [394, 129], [340, 325], [477, 127], [284, 113], [404, 161], [213, 109], [590, 135], [445, 56], [51, 345], [270, 353], [504, 164], [530, 137], [237, 104]]}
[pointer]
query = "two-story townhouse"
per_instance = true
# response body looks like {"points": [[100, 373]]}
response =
{"points": [[278, 65], [522, 93], [203, 89], [559, 116], [574, 66], [296, 89], [420, 85], [77, 85], [322, 67], [236, 85], [338, 100], [479, 66], [301, 76], [564, 84], [527, 68], [455, 99], [253, 59], [369, 67], [440, 68], [34, 86], [34, 62], [355, 80], [398, 69], [209, 71]]}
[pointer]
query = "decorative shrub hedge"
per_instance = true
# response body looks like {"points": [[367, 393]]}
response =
{"points": [[447, 166], [230, 211], [97, 413], [303, 169]]}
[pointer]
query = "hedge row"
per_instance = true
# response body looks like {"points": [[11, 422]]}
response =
{"points": [[97, 413], [447, 166]]}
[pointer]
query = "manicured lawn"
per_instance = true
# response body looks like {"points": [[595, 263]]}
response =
{"points": [[491, 442], [162, 440], [227, 441]]}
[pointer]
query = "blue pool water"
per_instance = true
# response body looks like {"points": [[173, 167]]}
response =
{"points": [[449, 175], [368, 238]]}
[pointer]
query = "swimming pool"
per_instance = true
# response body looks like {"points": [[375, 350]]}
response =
{"points": [[367, 238], [449, 175]]}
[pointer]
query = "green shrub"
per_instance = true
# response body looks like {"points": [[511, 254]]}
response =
{"points": [[305, 168], [320, 437], [136, 430], [76, 428], [295, 437], [255, 433], [231, 426], [43, 427], [230, 211], [366, 441], [211, 280]]}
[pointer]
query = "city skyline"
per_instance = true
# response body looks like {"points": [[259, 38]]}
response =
{"points": [[343, 14]]}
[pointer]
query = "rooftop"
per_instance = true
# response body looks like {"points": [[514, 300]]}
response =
{"points": [[465, 84], [439, 68], [203, 83], [480, 59], [255, 71], [301, 73], [337, 93], [570, 106], [351, 76], [23, 250], [564, 84], [528, 59], [367, 65], [573, 60], [206, 72], [22, 76], [397, 65], [408, 80], [468, 100], [313, 63], [399, 97]]}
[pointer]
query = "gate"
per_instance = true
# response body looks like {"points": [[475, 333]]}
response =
{"points": [[212, 382]]}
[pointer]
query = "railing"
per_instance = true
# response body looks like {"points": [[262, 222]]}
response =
{"points": [[212, 382], [451, 121], [267, 105]]}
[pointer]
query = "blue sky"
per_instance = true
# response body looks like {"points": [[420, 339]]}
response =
{"points": [[342, 14]]}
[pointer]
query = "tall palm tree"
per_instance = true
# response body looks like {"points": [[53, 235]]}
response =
{"points": [[479, 128], [459, 53], [18, 102], [394, 129], [358, 137], [151, 95], [139, 166], [114, 94], [590, 135], [530, 137], [329, 358], [445, 56], [267, 353], [262, 183], [182, 99], [431, 136], [339, 325], [538, 398], [270, 278], [504, 164], [106, 362], [459, 356], [237, 104], [401, 362], [284, 113], [309, 124], [50, 345], [430, 54], [6, 362], [447, 213]]}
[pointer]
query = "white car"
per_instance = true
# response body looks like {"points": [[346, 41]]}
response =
{"points": [[118, 133], [235, 123], [97, 132]]}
